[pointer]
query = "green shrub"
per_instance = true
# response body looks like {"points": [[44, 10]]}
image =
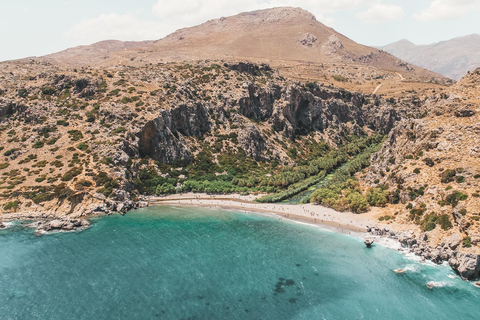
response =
{"points": [[52, 141], [75, 135], [82, 146], [84, 183], [22, 93], [429, 222], [48, 91], [467, 242], [448, 175], [126, 100], [377, 197], [38, 144], [165, 188], [61, 191], [90, 116], [444, 222], [10, 152], [357, 202], [12, 205], [455, 197], [70, 174], [119, 130], [57, 163]]}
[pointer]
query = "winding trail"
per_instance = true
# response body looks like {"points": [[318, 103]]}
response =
{"points": [[376, 89]]}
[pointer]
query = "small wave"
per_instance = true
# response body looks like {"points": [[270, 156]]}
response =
{"points": [[412, 268], [408, 268], [452, 276], [436, 284], [9, 224], [387, 242]]}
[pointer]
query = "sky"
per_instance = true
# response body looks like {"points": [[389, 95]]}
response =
{"points": [[35, 28]]}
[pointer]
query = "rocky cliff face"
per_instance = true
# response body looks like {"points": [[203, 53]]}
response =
{"points": [[162, 138], [291, 109]]}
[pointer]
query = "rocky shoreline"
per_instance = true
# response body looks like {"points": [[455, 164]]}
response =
{"points": [[467, 266], [47, 222]]}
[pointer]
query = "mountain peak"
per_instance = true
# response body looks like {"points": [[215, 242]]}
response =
{"points": [[406, 42], [278, 13], [278, 36]]}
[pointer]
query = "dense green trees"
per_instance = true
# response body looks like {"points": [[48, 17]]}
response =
{"points": [[342, 191], [235, 172]]}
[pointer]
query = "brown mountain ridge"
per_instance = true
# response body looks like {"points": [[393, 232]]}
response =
{"points": [[290, 39]]}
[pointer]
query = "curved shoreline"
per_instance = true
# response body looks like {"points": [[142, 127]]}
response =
{"points": [[342, 222]]}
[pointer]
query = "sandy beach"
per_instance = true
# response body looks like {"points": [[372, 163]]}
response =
{"points": [[344, 222]]}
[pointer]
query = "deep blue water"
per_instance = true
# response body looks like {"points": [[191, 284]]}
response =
{"points": [[191, 263]]}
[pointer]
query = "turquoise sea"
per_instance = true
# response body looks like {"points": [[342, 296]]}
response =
{"points": [[171, 262]]}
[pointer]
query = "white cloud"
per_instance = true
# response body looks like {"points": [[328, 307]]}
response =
{"points": [[381, 13], [445, 10], [117, 27]]}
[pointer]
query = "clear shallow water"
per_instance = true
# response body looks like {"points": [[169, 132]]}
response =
{"points": [[192, 263]]}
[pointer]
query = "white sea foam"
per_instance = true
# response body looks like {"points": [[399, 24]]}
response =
{"points": [[438, 284], [412, 268], [387, 242]]}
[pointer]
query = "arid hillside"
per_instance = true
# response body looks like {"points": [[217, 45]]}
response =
{"points": [[430, 165], [288, 39], [75, 139]]}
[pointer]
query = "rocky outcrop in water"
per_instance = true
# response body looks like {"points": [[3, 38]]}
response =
{"points": [[109, 207], [63, 224]]}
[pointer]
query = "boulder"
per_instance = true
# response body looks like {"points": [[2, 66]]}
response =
{"points": [[466, 265], [120, 207], [56, 224], [453, 241], [436, 256], [68, 226]]}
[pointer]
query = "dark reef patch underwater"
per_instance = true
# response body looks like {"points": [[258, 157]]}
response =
{"points": [[170, 262]]}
